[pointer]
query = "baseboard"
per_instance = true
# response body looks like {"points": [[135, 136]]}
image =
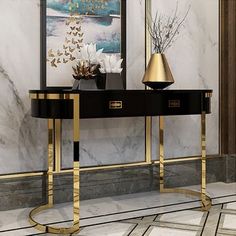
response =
{"points": [[31, 191]]}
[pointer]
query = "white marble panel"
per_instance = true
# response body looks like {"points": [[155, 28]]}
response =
{"points": [[22, 145], [111, 141], [194, 62], [106, 141]]}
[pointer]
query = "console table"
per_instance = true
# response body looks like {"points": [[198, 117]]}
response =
{"points": [[57, 104]]}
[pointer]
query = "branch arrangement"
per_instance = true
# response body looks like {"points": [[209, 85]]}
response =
{"points": [[164, 30]]}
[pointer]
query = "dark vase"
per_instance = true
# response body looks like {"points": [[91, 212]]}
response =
{"points": [[114, 81], [101, 81]]}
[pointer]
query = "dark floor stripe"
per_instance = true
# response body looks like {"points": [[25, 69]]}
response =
{"points": [[204, 223], [218, 223]]}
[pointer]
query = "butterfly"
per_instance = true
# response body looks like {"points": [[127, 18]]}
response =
{"points": [[59, 53], [70, 20], [67, 40], [78, 28], [65, 61], [64, 47], [72, 58], [50, 53], [80, 40], [75, 34], [81, 35], [72, 28], [74, 41], [58, 60], [71, 49], [67, 53], [53, 64]]}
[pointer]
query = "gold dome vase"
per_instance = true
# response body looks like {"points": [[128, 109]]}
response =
{"points": [[158, 74]]}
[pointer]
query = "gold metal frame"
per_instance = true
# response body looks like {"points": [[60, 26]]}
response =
{"points": [[52, 147], [76, 167]]}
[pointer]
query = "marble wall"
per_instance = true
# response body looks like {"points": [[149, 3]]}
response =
{"points": [[193, 59]]}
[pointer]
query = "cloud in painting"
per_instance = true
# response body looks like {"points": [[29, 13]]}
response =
{"points": [[110, 7], [103, 29]]}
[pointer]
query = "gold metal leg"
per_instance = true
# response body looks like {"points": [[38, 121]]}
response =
{"points": [[50, 161], [76, 130], [206, 200], [161, 152], [148, 139], [205, 204], [57, 143], [76, 172]]}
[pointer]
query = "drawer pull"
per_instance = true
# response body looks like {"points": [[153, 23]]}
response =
{"points": [[115, 105], [173, 103]]}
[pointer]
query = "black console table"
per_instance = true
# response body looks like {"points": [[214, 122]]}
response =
{"points": [[55, 105]]}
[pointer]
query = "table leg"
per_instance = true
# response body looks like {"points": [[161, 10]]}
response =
{"points": [[50, 161], [76, 171], [206, 200], [203, 160], [161, 152], [76, 179]]}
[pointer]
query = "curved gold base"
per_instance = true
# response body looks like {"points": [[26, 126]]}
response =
{"points": [[206, 205], [205, 200], [50, 229]]}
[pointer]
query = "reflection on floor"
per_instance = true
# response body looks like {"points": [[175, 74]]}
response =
{"points": [[147, 214]]}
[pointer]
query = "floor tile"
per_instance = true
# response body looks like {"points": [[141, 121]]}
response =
{"points": [[229, 221], [112, 229], [161, 231], [117, 216], [183, 217], [231, 206]]}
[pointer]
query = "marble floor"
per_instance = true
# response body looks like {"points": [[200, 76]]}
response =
{"points": [[147, 214]]}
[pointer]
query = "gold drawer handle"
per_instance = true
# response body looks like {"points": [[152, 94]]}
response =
{"points": [[174, 103], [115, 105]]}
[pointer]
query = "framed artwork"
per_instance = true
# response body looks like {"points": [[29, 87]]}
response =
{"points": [[68, 24]]}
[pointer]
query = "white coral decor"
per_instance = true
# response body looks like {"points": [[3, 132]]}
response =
{"points": [[89, 53], [110, 64]]}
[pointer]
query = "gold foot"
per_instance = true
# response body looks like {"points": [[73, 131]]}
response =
{"points": [[49, 229]]}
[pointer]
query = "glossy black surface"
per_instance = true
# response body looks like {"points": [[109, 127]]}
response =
{"points": [[95, 104]]}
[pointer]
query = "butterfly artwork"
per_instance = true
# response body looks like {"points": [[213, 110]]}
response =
{"points": [[71, 24]]}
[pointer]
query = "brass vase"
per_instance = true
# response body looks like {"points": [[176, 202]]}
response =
{"points": [[158, 74]]}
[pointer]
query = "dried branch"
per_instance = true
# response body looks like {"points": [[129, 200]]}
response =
{"points": [[176, 30], [163, 30]]}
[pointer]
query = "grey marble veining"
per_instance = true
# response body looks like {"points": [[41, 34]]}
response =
{"points": [[194, 61], [23, 139], [22, 142]]}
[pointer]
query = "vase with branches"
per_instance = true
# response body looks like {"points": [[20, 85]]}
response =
{"points": [[164, 31]]}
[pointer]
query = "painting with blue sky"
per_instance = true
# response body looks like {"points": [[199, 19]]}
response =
{"points": [[101, 22]]}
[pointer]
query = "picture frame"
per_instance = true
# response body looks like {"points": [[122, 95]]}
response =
{"points": [[50, 27]]}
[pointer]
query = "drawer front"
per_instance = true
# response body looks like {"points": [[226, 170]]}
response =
{"points": [[175, 104], [112, 105]]}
